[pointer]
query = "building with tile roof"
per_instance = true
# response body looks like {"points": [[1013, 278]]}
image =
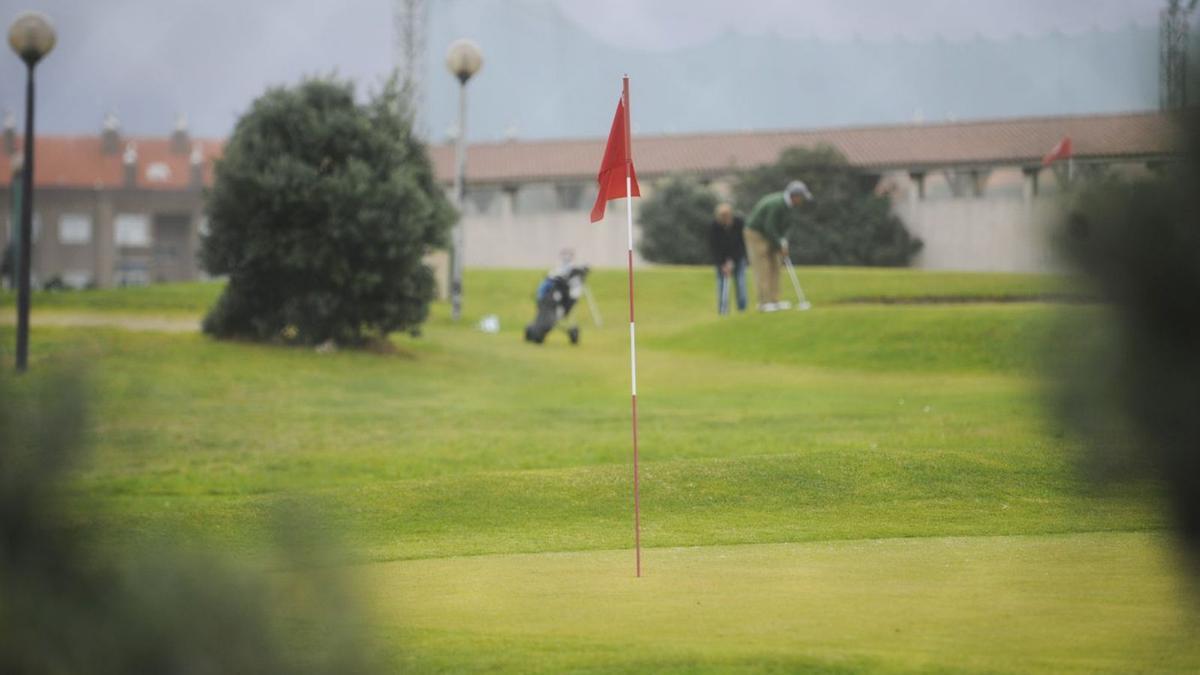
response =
{"points": [[109, 209], [113, 210]]}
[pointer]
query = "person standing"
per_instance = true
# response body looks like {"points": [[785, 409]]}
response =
{"points": [[729, 255], [766, 240]]}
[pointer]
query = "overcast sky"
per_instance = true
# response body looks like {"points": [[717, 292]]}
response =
{"points": [[668, 24], [149, 59]]}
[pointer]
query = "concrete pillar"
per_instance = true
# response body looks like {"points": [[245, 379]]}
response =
{"points": [[917, 194], [508, 204], [1029, 188], [103, 239], [192, 253], [954, 181], [978, 179]]}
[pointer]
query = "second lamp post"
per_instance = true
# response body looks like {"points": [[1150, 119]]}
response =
{"points": [[464, 60]]}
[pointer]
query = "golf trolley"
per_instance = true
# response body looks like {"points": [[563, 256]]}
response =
{"points": [[556, 297]]}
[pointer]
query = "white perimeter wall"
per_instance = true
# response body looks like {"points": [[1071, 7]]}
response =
{"points": [[535, 240], [1001, 234], [1005, 230], [997, 234]]}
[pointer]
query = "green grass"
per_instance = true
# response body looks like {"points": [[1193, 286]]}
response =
{"points": [[1079, 603], [658, 286], [858, 487], [157, 299]]}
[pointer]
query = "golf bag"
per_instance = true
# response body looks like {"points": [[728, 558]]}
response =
{"points": [[556, 295]]}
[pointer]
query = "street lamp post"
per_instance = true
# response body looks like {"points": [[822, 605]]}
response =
{"points": [[31, 36], [464, 60]]}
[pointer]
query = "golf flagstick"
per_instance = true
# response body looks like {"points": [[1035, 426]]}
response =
{"points": [[617, 152], [637, 506]]}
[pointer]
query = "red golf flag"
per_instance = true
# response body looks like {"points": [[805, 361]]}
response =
{"points": [[612, 170], [1060, 151]]}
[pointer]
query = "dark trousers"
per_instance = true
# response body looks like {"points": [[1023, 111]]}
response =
{"points": [[738, 278]]}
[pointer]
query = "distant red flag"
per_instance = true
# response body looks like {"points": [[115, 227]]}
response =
{"points": [[612, 170], [1060, 151]]}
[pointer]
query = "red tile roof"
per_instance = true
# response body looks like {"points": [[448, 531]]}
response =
{"points": [[79, 162], [1009, 142], [65, 161]]}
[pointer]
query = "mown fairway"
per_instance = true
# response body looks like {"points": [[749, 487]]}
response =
{"points": [[866, 486]]}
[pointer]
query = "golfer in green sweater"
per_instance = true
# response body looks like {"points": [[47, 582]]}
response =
{"points": [[766, 241]]}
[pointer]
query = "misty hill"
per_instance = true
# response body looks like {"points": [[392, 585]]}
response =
{"points": [[545, 77]]}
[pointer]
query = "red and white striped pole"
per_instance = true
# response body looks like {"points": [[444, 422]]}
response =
{"points": [[637, 506]]}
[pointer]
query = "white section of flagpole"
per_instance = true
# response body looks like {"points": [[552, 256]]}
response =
{"points": [[632, 340], [637, 506]]}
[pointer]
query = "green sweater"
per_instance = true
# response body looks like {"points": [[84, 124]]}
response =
{"points": [[770, 217]]}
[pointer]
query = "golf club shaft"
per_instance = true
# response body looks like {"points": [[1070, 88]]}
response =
{"points": [[787, 261], [595, 311]]}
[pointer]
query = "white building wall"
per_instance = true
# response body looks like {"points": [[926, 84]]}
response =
{"points": [[1004, 233], [1005, 229], [536, 240]]}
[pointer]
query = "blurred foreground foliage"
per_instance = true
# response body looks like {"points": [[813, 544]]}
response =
{"points": [[1132, 388], [73, 602]]}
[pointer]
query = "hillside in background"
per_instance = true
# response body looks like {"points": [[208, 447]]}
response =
{"points": [[548, 75], [556, 80]]}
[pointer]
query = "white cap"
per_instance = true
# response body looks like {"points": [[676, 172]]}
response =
{"points": [[798, 186]]}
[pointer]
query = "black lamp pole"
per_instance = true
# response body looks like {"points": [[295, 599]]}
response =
{"points": [[23, 255], [31, 36]]}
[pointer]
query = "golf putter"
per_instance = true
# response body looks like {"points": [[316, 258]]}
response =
{"points": [[723, 309], [802, 302]]}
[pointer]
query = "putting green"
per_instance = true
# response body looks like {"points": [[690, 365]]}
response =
{"points": [[1095, 602]]}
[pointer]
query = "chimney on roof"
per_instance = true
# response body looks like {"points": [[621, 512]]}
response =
{"points": [[180, 142], [110, 135], [130, 162], [197, 164]]}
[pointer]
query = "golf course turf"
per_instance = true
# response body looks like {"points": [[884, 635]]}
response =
{"points": [[875, 485]]}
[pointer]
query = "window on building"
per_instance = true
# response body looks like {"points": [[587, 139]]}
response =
{"points": [[131, 273], [132, 229], [570, 196], [75, 228], [533, 198], [158, 172], [483, 201], [77, 279]]}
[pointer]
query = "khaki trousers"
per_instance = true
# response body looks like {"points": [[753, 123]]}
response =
{"points": [[764, 259]]}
